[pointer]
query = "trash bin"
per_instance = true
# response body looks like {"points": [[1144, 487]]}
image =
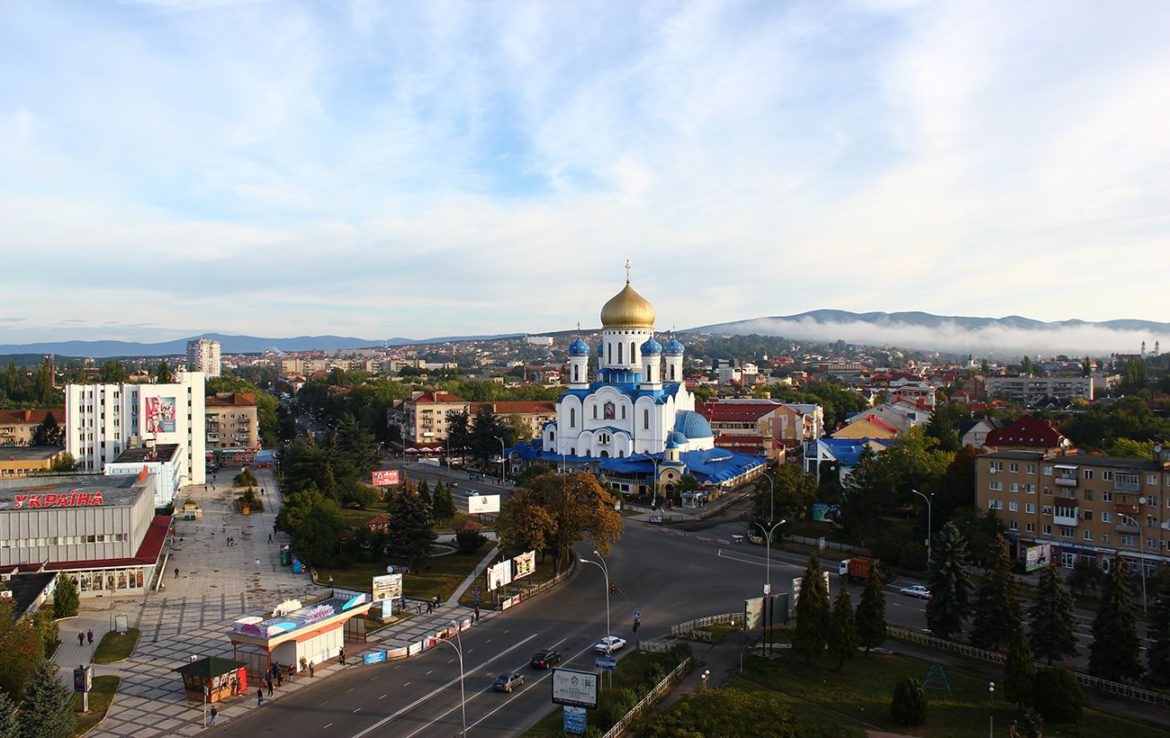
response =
{"points": [[296, 565], [286, 555]]}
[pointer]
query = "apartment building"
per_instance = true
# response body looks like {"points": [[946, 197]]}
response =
{"points": [[534, 413], [232, 421], [17, 426], [423, 418], [764, 428], [1084, 506], [24, 461], [1030, 390], [203, 356], [103, 420]]}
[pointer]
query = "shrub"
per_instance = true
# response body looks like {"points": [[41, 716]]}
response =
{"points": [[913, 556], [888, 549], [1057, 696], [908, 706], [244, 479], [360, 496], [66, 599], [469, 541]]}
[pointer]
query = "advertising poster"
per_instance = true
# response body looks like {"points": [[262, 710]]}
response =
{"points": [[477, 504], [523, 565], [387, 587], [574, 720], [499, 575], [384, 477], [578, 688], [1038, 557], [158, 414], [823, 512]]}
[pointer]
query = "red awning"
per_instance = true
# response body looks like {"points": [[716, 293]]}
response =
{"points": [[148, 551]]}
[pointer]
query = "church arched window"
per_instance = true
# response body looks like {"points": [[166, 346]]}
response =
{"points": [[619, 353], [646, 418], [623, 412], [595, 412], [572, 417], [552, 435], [576, 376], [632, 354], [672, 372]]}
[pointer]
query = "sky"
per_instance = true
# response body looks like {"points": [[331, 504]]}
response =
{"points": [[379, 169]]}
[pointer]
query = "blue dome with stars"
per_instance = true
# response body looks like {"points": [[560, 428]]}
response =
{"points": [[673, 347], [692, 425], [651, 347], [578, 348]]}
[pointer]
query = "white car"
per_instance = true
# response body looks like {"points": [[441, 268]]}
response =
{"points": [[915, 590], [609, 644]]}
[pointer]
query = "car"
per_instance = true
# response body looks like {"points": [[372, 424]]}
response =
{"points": [[509, 681], [609, 644], [915, 590], [545, 658]]}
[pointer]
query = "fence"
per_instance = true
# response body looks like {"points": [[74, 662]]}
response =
{"points": [[831, 545], [692, 625], [674, 677], [655, 646], [1114, 688]]}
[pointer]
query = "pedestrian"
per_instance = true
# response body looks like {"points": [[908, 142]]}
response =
{"points": [[341, 655], [304, 663], [89, 636], [260, 697], [176, 572], [269, 686], [430, 607], [291, 672], [310, 669], [257, 562], [477, 613], [80, 638], [436, 602], [214, 715], [270, 538], [279, 678]]}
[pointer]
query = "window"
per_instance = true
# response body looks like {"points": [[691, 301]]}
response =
{"points": [[646, 419], [1088, 514], [619, 353], [995, 504], [1030, 489], [1087, 473], [1151, 543], [1046, 510], [995, 485], [1151, 479], [632, 353], [1013, 467], [1048, 470], [1105, 537], [1088, 494], [1107, 496], [1029, 508], [1047, 490], [1106, 516], [1087, 535], [595, 412], [1013, 506], [1067, 532], [1030, 527], [1128, 539], [623, 412], [1013, 525], [1015, 487], [1153, 500], [1030, 468], [1068, 559], [1066, 511], [572, 417], [1107, 476]]}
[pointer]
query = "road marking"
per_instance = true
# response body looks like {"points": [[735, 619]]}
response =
{"points": [[349, 690], [326, 727], [450, 661], [357, 709], [382, 697], [407, 684], [429, 672], [758, 560], [437, 690]]}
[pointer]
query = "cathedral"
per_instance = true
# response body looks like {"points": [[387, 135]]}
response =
{"points": [[634, 417]]}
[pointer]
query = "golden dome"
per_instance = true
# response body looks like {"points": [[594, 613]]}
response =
{"points": [[627, 309]]}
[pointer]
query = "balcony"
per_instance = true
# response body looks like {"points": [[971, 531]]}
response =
{"points": [[1070, 521], [214, 437], [1125, 508], [1066, 480], [1122, 484], [1125, 527]]}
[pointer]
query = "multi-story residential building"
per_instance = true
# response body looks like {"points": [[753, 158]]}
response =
{"points": [[423, 418], [232, 426], [1029, 390], [24, 461], [1084, 506], [765, 428], [203, 356], [103, 420], [1027, 433], [533, 413], [17, 426]]}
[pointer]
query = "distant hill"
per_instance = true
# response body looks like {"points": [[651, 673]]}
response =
{"points": [[228, 345], [1010, 335]]}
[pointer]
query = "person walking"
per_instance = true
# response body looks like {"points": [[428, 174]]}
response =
{"points": [[176, 572], [260, 697], [430, 607], [214, 715], [80, 638], [257, 563], [310, 669], [279, 677], [89, 636], [269, 680], [270, 538], [341, 656], [291, 673]]}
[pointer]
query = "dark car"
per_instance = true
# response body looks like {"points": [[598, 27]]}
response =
{"points": [[545, 659], [509, 681]]}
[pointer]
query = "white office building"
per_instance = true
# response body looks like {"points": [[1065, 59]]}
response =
{"points": [[104, 420], [203, 356]]}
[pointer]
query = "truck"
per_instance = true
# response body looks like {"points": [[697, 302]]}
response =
{"points": [[856, 568]]}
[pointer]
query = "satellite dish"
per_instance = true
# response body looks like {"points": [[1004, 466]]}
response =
{"points": [[390, 569], [1141, 500], [1157, 448]]}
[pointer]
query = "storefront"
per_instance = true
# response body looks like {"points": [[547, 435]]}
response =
{"points": [[99, 530], [214, 679], [293, 631]]}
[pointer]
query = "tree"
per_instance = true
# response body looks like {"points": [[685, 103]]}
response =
{"points": [[524, 523], [575, 504], [487, 429], [812, 612], [112, 372], [9, 722], [795, 489], [908, 706], [48, 630], [48, 433], [1019, 670], [843, 639], [468, 537], [518, 428], [1158, 654], [950, 587], [723, 712], [21, 647], [459, 432], [314, 521], [46, 709], [997, 604], [1053, 632], [64, 463], [1057, 696], [66, 598], [164, 374], [442, 503], [1086, 577], [871, 612], [424, 491], [409, 534], [1116, 648]]}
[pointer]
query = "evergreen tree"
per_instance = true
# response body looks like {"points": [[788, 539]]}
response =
{"points": [[66, 599], [997, 603], [843, 639], [9, 723], [1116, 650], [424, 492], [1158, 654], [1053, 633], [409, 534], [164, 374], [812, 613], [1019, 670], [950, 587], [871, 612], [443, 504], [46, 710], [48, 433]]}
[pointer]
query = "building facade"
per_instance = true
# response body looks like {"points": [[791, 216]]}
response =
{"points": [[161, 462], [1084, 506], [17, 426], [532, 413], [423, 418], [1029, 390], [232, 422], [103, 420], [203, 356], [23, 461]]}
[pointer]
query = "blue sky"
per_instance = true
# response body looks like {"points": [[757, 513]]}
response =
{"points": [[382, 169]]}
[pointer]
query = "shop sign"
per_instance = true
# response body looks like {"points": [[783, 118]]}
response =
{"points": [[73, 498]]}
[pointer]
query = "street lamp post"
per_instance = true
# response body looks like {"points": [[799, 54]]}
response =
{"points": [[771, 496], [991, 697], [929, 520], [462, 695], [768, 531], [503, 461], [654, 461], [600, 564], [1141, 563]]}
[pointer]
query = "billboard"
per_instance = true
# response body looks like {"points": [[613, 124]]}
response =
{"points": [[523, 565], [387, 587], [823, 512], [753, 613], [499, 575], [158, 414], [1038, 557], [477, 504], [577, 688], [384, 477]]}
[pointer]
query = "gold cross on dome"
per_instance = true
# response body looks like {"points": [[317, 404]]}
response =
{"points": [[627, 271]]}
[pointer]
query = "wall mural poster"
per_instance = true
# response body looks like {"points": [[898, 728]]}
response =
{"points": [[159, 414]]}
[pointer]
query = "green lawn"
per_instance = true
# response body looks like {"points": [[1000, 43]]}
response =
{"points": [[434, 576], [543, 573], [100, 698], [114, 647], [856, 699]]}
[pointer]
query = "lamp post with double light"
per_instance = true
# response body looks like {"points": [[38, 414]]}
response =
{"points": [[768, 531], [654, 461], [458, 646], [503, 461], [600, 564], [929, 519]]}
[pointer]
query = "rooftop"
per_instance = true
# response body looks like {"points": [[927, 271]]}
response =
{"points": [[230, 399], [26, 589], [29, 453], [143, 454], [115, 490]]}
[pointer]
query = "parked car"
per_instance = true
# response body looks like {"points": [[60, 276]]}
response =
{"points": [[509, 681], [915, 590], [609, 644], [545, 659]]}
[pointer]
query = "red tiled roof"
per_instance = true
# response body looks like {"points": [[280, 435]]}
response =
{"points": [[148, 550], [431, 396], [716, 411], [32, 416], [231, 399], [1027, 432], [516, 406]]}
